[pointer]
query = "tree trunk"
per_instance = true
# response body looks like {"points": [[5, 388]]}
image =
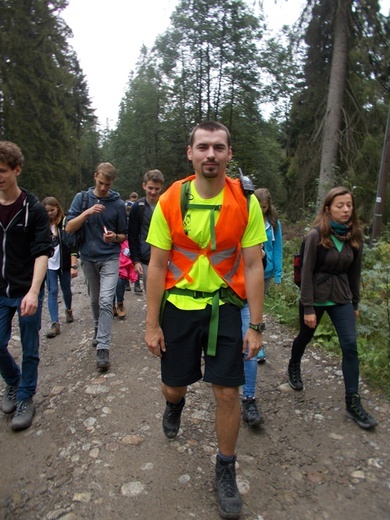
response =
{"points": [[382, 185], [334, 106]]}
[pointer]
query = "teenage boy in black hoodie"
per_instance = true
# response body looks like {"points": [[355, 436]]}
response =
{"points": [[25, 246]]}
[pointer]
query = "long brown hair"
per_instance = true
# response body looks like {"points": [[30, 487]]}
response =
{"points": [[52, 201], [323, 219], [271, 215]]}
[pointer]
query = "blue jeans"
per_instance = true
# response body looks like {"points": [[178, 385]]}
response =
{"points": [[29, 327], [120, 289], [101, 279], [343, 319], [52, 277], [250, 365]]}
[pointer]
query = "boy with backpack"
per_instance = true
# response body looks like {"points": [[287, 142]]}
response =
{"points": [[139, 222]]}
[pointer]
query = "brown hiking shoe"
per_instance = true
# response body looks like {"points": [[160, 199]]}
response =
{"points": [[8, 404], [120, 310], [69, 316], [23, 417], [54, 330]]}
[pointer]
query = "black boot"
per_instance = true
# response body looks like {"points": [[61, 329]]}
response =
{"points": [[357, 413], [171, 418], [228, 496], [250, 413], [294, 376]]}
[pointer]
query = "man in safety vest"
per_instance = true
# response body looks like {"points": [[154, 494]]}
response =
{"points": [[205, 262]]}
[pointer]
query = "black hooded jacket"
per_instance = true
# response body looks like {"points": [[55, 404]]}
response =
{"points": [[25, 238]]}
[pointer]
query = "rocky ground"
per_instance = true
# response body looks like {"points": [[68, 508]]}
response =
{"points": [[96, 448]]}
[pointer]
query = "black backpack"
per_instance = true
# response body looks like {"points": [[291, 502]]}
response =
{"points": [[298, 260], [73, 240]]}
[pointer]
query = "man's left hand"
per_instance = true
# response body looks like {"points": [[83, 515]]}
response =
{"points": [[253, 341]]}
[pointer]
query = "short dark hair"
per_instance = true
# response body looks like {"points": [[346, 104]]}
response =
{"points": [[11, 154], [210, 126]]}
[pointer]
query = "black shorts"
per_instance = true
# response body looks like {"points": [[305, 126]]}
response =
{"points": [[186, 336]]}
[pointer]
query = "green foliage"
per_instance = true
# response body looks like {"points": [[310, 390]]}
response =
{"points": [[373, 324], [44, 103], [205, 66], [364, 106]]}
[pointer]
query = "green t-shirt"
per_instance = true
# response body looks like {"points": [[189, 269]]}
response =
{"points": [[197, 224]]}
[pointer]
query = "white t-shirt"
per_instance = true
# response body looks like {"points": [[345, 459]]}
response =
{"points": [[55, 261]]}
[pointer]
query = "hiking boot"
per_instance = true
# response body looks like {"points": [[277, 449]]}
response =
{"points": [[8, 404], [137, 287], [228, 496], [25, 411], [250, 413], [261, 356], [69, 316], [114, 311], [294, 376], [54, 330], [103, 362], [171, 418], [94, 340], [357, 413], [121, 312]]}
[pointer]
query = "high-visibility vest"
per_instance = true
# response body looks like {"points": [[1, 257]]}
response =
{"points": [[224, 249]]}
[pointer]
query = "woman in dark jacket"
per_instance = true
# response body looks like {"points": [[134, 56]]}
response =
{"points": [[62, 266], [330, 277]]}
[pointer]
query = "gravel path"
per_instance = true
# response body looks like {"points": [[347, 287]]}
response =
{"points": [[96, 448]]}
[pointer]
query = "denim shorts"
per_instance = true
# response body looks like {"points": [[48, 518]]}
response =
{"points": [[186, 336]]}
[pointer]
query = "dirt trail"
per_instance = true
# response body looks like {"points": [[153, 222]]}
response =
{"points": [[96, 448]]}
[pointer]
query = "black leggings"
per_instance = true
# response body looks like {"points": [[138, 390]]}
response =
{"points": [[343, 319]]}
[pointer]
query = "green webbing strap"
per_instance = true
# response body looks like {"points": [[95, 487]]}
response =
{"points": [[213, 209], [225, 294]]}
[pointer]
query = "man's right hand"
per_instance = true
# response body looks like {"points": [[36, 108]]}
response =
{"points": [[154, 339], [96, 208]]}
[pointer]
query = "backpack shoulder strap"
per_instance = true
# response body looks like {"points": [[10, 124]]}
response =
{"points": [[321, 253], [184, 198], [141, 210], [84, 201], [185, 192]]}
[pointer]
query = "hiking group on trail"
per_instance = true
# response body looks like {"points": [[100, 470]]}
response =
{"points": [[198, 247]]}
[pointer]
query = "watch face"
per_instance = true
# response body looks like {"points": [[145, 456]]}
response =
{"points": [[260, 327]]}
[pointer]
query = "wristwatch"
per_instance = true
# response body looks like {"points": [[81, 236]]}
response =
{"points": [[73, 266], [260, 327]]}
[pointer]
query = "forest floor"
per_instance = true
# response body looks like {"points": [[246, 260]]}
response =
{"points": [[96, 448]]}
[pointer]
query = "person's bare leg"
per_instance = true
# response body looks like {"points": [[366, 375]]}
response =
{"points": [[227, 419], [174, 396]]}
